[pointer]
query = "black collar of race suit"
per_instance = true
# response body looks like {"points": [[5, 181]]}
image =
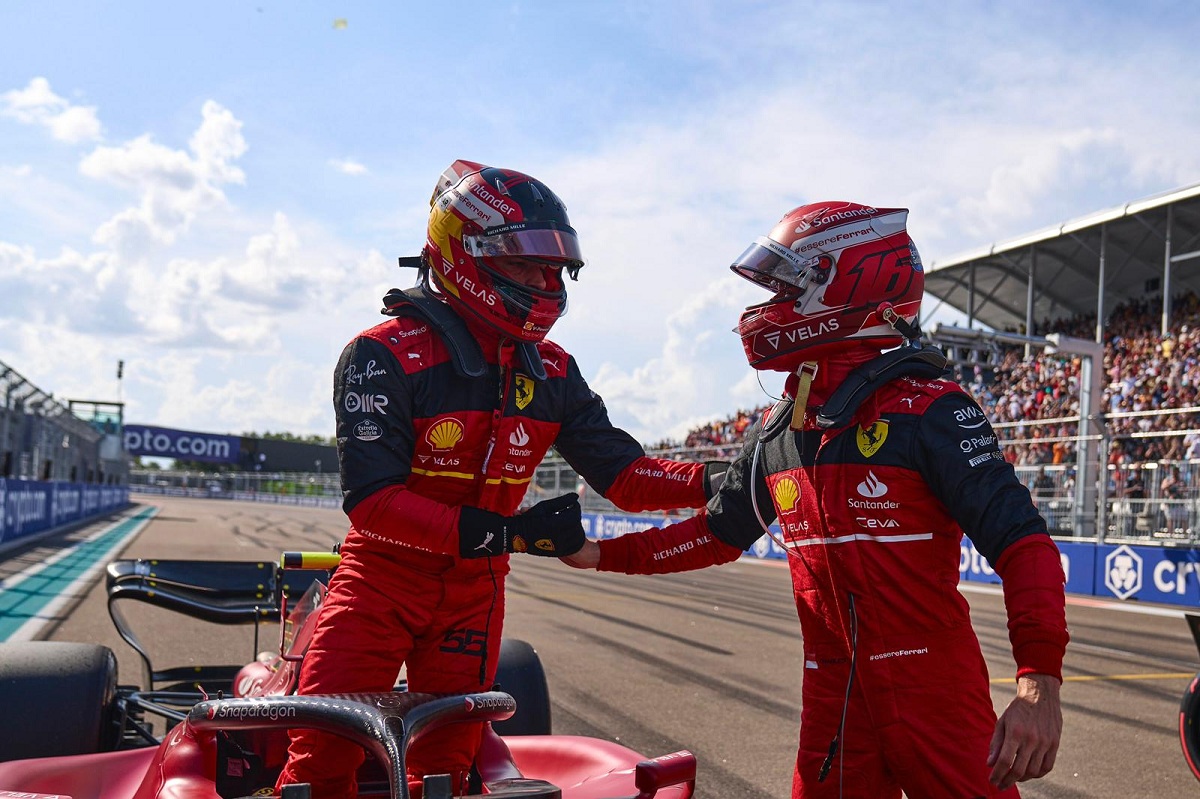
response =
{"points": [[924, 361], [465, 353]]}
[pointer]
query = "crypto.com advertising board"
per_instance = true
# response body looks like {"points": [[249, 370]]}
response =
{"points": [[184, 445]]}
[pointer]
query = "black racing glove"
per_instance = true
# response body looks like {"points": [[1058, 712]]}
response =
{"points": [[714, 477], [552, 528]]}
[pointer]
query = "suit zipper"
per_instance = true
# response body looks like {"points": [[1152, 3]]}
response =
{"points": [[498, 412]]}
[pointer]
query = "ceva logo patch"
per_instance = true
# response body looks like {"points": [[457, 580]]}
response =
{"points": [[1123, 572]]}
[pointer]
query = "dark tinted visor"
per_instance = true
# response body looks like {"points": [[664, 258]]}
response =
{"points": [[770, 264], [530, 241]]}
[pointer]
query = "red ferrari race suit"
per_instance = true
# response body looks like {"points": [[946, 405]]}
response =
{"points": [[416, 441], [873, 513]]}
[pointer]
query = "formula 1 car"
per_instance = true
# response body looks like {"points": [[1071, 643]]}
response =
{"points": [[1189, 709], [72, 730]]}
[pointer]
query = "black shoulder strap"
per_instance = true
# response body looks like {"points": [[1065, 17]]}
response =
{"points": [[531, 359], [776, 419], [465, 353], [926, 361]]}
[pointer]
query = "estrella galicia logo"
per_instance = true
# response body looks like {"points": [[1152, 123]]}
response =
{"points": [[1123, 572], [366, 430]]}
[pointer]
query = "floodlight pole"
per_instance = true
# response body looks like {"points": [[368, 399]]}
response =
{"points": [[1088, 470]]}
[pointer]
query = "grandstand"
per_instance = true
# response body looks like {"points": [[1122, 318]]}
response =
{"points": [[42, 438], [60, 464]]}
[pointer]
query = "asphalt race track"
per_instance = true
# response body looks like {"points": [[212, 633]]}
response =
{"points": [[708, 661]]}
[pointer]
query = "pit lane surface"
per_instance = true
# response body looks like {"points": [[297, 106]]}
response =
{"points": [[708, 661]]}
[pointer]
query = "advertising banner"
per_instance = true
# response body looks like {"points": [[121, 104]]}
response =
{"points": [[1132, 573], [162, 442], [1078, 562], [1150, 574], [30, 506]]}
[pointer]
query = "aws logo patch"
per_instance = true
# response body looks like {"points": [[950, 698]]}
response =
{"points": [[870, 439]]}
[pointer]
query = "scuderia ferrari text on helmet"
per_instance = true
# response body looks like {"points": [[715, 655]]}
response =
{"points": [[482, 219], [834, 267]]}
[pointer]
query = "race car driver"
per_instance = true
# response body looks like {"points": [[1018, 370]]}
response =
{"points": [[444, 411], [874, 467]]}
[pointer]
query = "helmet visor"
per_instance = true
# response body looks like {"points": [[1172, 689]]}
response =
{"points": [[530, 241], [768, 263]]}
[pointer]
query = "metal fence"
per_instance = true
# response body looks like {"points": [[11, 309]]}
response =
{"points": [[1150, 502], [237, 485]]}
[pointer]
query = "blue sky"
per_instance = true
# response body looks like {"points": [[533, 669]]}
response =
{"points": [[216, 192]]}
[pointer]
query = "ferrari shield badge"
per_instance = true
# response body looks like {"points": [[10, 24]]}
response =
{"points": [[524, 391], [870, 439]]}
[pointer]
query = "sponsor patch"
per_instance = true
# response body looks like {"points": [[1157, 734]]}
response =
{"points": [[366, 430], [786, 492], [445, 434], [872, 487], [984, 458]]}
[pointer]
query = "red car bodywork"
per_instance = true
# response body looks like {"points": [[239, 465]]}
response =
{"points": [[183, 765]]}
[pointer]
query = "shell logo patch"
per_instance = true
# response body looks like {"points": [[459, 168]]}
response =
{"points": [[786, 492], [870, 439], [519, 545], [445, 434], [524, 391]]}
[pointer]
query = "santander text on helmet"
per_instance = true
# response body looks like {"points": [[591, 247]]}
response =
{"points": [[838, 216]]}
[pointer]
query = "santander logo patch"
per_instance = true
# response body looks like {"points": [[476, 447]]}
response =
{"points": [[872, 487]]}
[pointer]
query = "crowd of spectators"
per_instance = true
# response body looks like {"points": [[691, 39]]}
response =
{"points": [[718, 439], [1146, 374], [1034, 401]]}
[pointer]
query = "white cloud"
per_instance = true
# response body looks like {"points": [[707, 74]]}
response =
{"points": [[174, 185], [347, 166], [37, 104], [695, 377]]}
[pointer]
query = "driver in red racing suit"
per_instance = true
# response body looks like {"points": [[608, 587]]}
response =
{"points": [[874, 467], [443, 413]]}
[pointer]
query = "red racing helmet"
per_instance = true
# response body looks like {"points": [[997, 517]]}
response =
{"points": [[480, 215], [834, 267]]}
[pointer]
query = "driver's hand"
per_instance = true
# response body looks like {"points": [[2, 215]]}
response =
{"points": [[1028, 732], [586, 558]]}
